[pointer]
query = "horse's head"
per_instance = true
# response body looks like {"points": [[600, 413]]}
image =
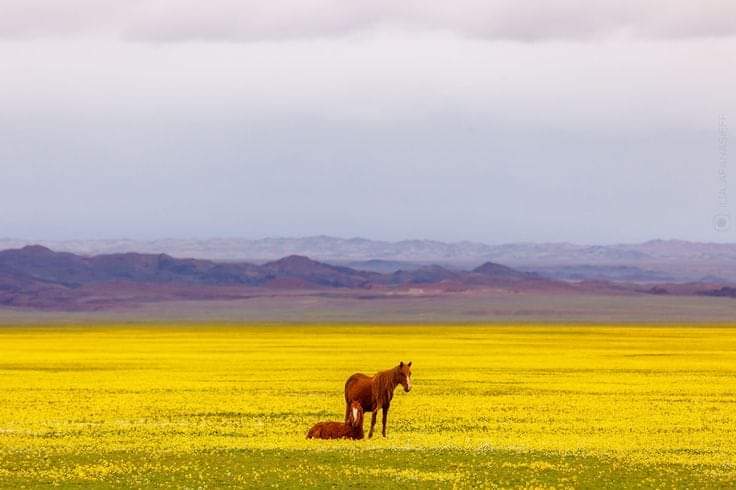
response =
{"points": [[404, 375], [356, 413]]}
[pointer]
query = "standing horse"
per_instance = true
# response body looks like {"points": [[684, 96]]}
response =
{"points": [[374, 392]]}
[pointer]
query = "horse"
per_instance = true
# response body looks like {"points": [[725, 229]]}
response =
{"points": [[350, 429], [374, 392]]}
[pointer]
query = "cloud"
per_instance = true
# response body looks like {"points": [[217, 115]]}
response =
{"points": [[249, 20]]}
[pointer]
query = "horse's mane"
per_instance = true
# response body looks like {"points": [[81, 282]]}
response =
{"points": [[384, 383]]}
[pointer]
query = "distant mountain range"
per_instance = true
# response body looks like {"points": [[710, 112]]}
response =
{"points": [[37, 277], [652, 261]]}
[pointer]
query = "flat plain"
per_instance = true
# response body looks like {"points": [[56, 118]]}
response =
{"points": [[213, 406]]}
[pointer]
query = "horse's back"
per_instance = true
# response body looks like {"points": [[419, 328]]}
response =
{"points": [[354, 381], [357, 377]]}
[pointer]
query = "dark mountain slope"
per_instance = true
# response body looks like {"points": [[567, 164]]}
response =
{"points": [[310, 272], [430, 274], [498, 271], [37, 276]]}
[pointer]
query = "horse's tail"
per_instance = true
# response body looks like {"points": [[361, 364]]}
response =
{"points": [[348, 382], [347, 401], [313, 432]]}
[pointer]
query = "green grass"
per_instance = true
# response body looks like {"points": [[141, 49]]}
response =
{"points": [[339, 467]]}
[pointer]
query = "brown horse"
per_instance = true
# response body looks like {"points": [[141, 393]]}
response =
{"points": [[350, 429], [374, 392]]}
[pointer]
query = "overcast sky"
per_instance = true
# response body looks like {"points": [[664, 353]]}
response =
{"points": [[495, 121]]}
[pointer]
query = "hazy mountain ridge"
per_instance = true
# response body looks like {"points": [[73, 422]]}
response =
{"points": [[654, 260], [37, 277], [317, 247], [333, 248]]}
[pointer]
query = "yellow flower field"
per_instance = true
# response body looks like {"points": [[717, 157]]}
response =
{"points": [[210, 406]]}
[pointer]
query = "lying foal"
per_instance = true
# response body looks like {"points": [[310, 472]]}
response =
{"points": [[352, 429]]}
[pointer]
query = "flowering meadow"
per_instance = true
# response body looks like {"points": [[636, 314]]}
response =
{"points": [[213, 406]]}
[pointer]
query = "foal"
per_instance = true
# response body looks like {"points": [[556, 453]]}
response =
{"points": [[350, 429]]}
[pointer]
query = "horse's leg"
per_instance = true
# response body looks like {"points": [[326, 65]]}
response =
{"points": [[383, 419], [373, 422]]}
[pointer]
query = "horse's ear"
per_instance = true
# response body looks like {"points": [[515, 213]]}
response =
{"points": [[409, 364], [401, 364]]}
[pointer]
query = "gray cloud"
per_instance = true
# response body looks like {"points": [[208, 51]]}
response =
{"points": [[385, 119], [388, 136], [244, 20]]}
